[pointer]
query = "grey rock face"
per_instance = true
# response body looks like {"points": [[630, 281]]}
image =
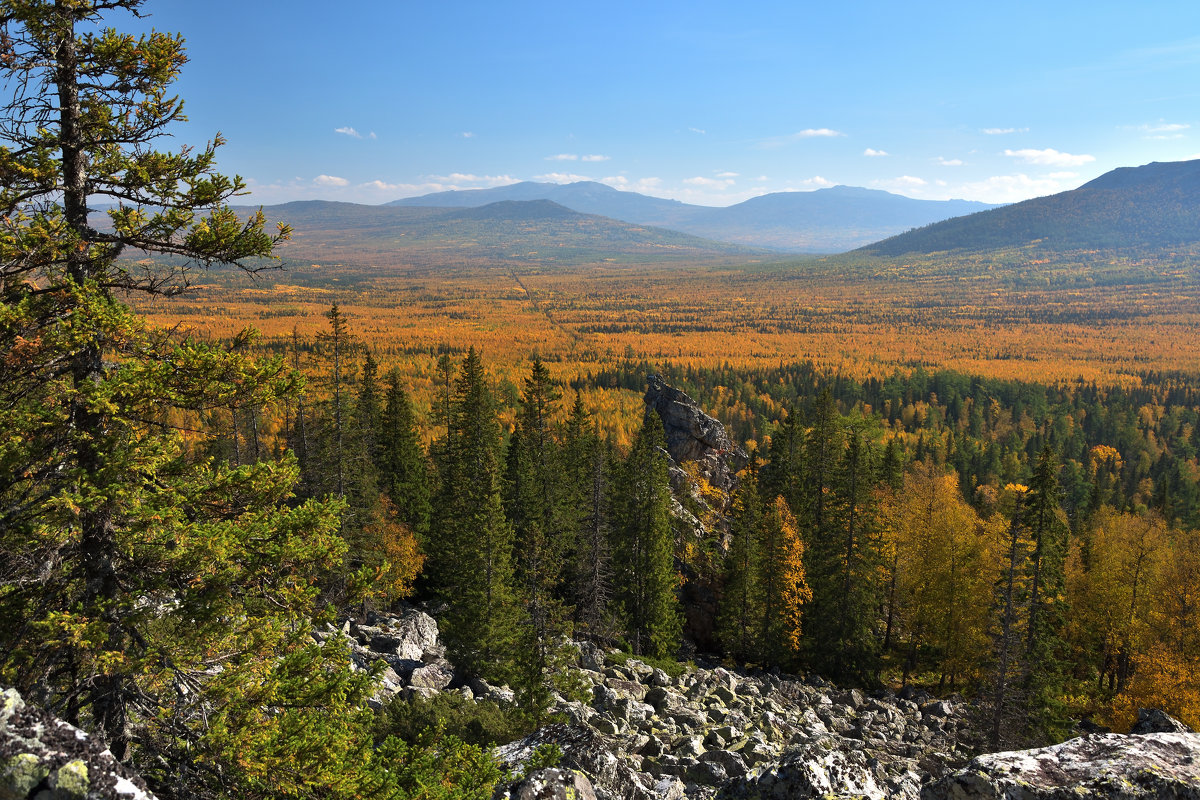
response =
{"points": [[412, 635], [432, 676], [1107, 766], [553, 784], [712, 730], [693, 435], [407, 643], [599, 757], [43, 757], [1151, 720]]}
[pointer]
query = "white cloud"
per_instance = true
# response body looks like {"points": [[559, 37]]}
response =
{"points": [[817, 182], [348, 131], [467, 135], [902, 182], [563, 157], [594, 158], [1009, 188], [383, 186], [372, 135], [1003, 131], [1164, 130], [561, 177], [641, 185], [711, 183], [1165, 127], [762, 178], [792, 138], [332, 187], [950, 162], [466, 177], [871, 151], [727, 175], [698, 130], [1050, 157]]}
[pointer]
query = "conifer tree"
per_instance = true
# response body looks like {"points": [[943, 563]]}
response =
{"points": [[536, 508], [782, 474], [471, 544], [1005, 702], [329, 459], [784, 585], [587, 468], [161, 598], [844, 544], [1044, 646], [643, 546], [742, 595], [403, 466]]}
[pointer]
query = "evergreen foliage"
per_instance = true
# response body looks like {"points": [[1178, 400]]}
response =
{"points": [[587, 486], [157, 595], [471, 542], [643, 547], [401, 461], [742, 599]]}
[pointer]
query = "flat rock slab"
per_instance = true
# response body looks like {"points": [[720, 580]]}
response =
{"points": [[1108, 765]]}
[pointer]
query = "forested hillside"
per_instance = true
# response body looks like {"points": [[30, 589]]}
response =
{"points": [[1152, 206], [828, 220], [193, 519], [927, 509]]}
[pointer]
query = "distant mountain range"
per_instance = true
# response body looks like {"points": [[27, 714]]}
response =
{"points": [[504, 233], [1149, 207], [824, 221], [1152, 206]]}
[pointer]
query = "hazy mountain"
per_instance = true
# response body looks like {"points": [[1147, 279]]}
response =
{"points": [[588, 197], [827, 220], [1152, 206], [503, 232]]}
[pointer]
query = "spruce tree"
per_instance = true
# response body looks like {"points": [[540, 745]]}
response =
{"points": [[1045, 647], [471, 545], [783, 583], [643, 546], [587, 467], [402, 463], [742, 595], [782, 474], [161, 598], [536, 504]]}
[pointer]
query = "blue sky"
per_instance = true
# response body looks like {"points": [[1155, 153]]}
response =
{"points": [[706, 102]]}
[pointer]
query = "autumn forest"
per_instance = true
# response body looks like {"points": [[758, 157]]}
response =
{"points": [[228, 434]]}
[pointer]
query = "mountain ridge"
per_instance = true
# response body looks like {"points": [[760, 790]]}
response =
{"points": [[828, 220], [1156, 205], [503, 232]]}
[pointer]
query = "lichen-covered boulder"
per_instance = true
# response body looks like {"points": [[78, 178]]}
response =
{"points": [[552, 784], [43, 758], [1107, 766], [1151, 720]]}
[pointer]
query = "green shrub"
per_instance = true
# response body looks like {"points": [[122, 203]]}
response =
{"points": [[476, 722]]}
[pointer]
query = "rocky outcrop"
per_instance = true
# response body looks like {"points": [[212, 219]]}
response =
{"points": [[645, 735], [1108, 766], [1151, 720], [407, 642], [694, 436], [43, 758], [552, 784]]}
